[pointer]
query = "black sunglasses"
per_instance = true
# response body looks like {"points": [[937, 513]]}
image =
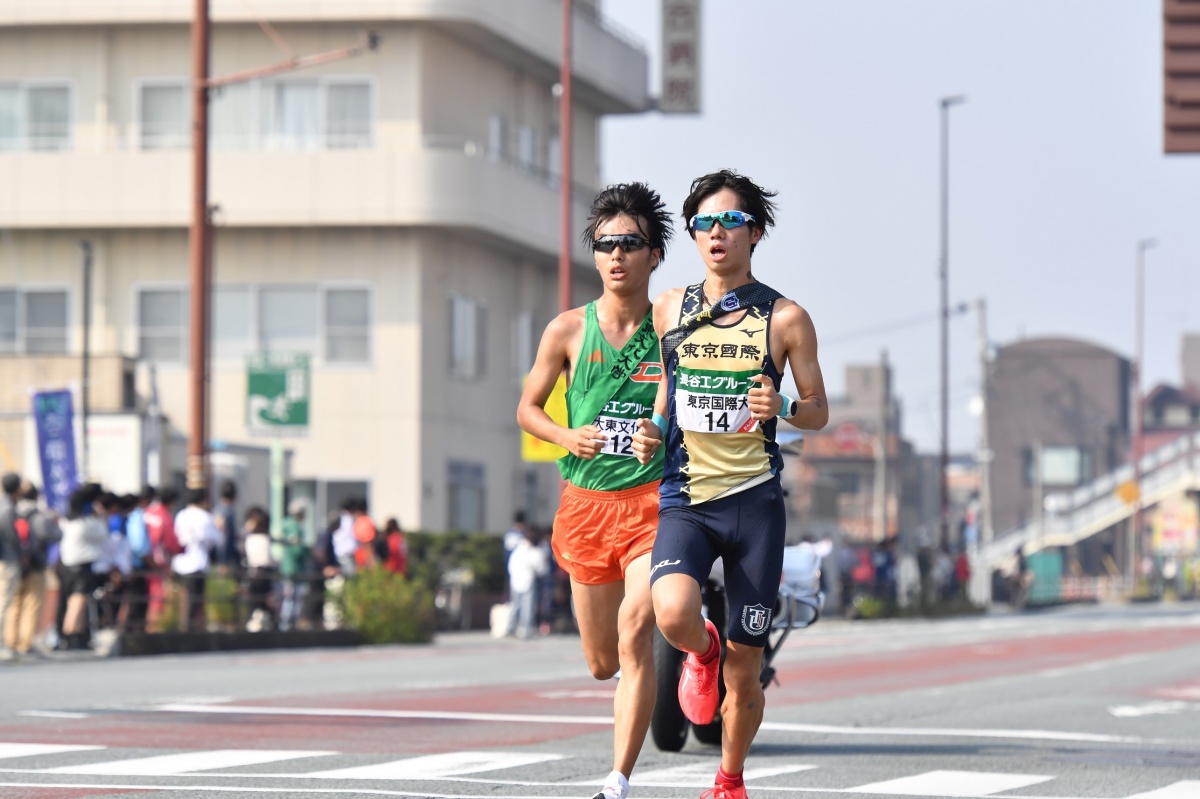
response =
{"points": [[626, 241]]}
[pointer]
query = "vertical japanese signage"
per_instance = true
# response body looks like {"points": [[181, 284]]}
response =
{"points": [[54, 418], [680, 57], [277, 388]]}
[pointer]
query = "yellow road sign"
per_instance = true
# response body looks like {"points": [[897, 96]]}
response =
{"points": [[1128, 492], [535, 450]]}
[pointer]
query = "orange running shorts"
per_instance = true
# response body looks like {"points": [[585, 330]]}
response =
{"points": [[597, 534]]}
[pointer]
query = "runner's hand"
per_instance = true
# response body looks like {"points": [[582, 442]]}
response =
{"points": [[764, 401], [646, 440], [586, 442]]}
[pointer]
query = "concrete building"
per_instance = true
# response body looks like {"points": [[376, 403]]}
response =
{"points": [[395, 216], [1065, 399]]}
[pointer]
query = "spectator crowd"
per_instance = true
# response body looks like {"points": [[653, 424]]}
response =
{"points": [[139, 563]]}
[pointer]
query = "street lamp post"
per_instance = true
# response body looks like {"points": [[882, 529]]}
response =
{"points": [[946, 104], [1135, 527]]}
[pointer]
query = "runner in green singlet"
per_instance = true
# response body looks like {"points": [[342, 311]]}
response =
{"points": [[605, 526]]}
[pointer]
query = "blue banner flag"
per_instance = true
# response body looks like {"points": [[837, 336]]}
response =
{"points": [[56, 445]]}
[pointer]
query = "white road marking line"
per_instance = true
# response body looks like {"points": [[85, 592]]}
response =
{"points": [[1148, 709], [592, 693], [436, 766], [1187, 789], [30, 750], [700, 775], [429, 795], [290, 791], [437, 715], [185, 762], [53, 714], [515, 718], [1032, 735], [952, 783]]}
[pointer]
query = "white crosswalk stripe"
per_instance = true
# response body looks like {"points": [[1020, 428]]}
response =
{"points": [[451, 764], [1187, 789], [951, 783], [32, 750], [700, 775], [185, 763], [488, 767]]}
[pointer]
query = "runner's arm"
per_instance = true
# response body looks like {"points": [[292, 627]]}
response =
{"points": [[552, 358], [800, 346], [648, 437]]}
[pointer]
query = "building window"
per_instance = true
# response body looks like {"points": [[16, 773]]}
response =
{"points": [[523, 348], [35, 116], [162, 325], [347, 325], [33, 322], [467, 483], [496, 136], [467, 332], [1060, 467], [553, 160], [45, 322], [287, 318], [333, 114], [527, 148], [233, 322], [348, 115], [164, 115]]}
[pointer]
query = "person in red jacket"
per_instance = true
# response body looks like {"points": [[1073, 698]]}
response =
{"points": [[396, 559]]}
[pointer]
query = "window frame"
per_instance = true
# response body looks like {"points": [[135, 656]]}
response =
{"points": [[478, 371], [266, 134], [21, 346], [138, 135], [323, 326], [135, 307], [22, 86]]}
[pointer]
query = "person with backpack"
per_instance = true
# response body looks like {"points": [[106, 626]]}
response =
{"points": [[10, 569], [137, 589], [36, 531], [159, 518]]}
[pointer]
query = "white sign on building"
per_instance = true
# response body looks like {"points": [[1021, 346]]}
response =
{"points": [[680, 92]]}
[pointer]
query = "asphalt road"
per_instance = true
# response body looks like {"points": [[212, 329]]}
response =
{"points": [[1087, 703]]}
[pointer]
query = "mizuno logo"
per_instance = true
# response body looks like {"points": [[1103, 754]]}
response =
{"points": [[660, 564], [750, 333], [596, 357]]}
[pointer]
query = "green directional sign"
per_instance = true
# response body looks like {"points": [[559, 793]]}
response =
{"points": [[277, 392]]}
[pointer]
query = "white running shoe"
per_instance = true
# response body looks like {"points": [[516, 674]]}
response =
{"points": [[616, 786]]}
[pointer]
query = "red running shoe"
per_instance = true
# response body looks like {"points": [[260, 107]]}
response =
{"points": [[720, 791], [698, 692]]}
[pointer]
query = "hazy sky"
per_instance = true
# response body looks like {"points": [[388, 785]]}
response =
{"points": [[1056, 172]]}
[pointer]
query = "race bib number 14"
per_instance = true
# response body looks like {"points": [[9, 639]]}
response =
{"points": [[713, 413]]}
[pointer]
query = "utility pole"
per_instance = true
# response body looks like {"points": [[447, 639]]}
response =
{"points": [[946, 104], [198, 256], [1135, 528], [565, 184], [200, 230], [881, 450], [985, 446], [85, 388]]}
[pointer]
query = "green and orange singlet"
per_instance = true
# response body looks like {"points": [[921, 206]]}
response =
{"points": [[615, 468]]}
